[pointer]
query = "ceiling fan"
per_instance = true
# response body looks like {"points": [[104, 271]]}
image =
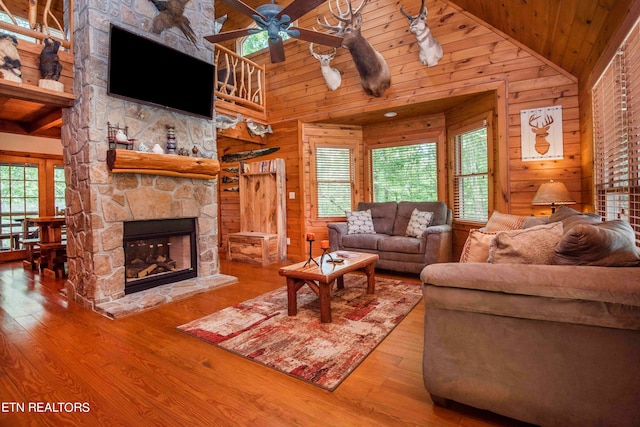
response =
{"points": [[273, 19]]}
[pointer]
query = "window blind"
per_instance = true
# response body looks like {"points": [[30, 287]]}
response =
{"points": [[335, 180], [616, 134], [471, 176]]}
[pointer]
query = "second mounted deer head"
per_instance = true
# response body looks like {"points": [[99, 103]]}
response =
{"points": [[332, 77], [371, 66], [430, 48]]}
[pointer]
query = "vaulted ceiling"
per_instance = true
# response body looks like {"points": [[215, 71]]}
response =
{"points": [[570, 33]]}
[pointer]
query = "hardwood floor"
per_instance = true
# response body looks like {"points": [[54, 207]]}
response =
{"points": [[57, 357]]}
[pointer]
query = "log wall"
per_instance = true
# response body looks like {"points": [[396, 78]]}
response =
{"points": [[478, 60]]}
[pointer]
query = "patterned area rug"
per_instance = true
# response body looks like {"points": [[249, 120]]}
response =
{"points": [[323, 354]]}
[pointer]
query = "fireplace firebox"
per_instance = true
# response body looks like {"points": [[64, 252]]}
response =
{"points": [[158, 252]]}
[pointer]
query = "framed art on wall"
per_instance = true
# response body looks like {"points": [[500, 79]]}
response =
{"points": [[541, 133]]}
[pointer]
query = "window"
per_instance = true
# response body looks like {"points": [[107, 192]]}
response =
{"points": [[471, 175], [405, 173], [616, 135], [29, 187], [18, 199], [334, 180], [59, 187], [255, 42]]}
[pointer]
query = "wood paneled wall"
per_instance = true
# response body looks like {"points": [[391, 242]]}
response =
{"points": [[477, 60]]}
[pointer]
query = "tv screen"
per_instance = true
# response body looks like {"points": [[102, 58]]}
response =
{"points": [[148, 72]]}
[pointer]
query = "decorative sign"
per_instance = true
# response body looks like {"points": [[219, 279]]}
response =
{"points": [[541, 133]]}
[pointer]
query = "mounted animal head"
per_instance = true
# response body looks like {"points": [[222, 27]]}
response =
{"points": [[332, 77], [371, 66], [430, 48], [418, 23]]}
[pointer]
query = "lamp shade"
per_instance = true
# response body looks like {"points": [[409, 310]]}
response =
{"points": [[553, 193]]}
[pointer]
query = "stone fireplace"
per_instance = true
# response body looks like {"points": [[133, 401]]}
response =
{"points": [[101, 204]]}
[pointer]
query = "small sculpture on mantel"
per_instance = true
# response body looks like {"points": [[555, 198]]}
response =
{"points": [[118, 137]]}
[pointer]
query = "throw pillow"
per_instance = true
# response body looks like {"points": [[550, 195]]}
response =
{"points": [[533, 245], [609, 244], [476, 248], [418, 223], [504, 222], [360, 222]]}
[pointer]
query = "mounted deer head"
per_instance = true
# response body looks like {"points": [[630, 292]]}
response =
{"points": [[541, 145], [371, 66], [332, 77], [430, 48]]}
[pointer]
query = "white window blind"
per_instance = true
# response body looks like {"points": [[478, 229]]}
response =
{"points": [[335, 180], [405, 173], [471, 176], [616, 134]]}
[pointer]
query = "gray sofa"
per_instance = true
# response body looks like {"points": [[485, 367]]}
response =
{"points": [[397, 251], [553, 345]]}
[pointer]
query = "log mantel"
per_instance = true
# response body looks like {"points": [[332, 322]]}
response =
{"points": [[128, 161]]}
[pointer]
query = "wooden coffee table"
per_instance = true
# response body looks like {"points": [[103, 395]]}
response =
{"points": [[321, 279]]}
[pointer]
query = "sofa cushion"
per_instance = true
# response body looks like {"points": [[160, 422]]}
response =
{"points": [[362, 241], [383, 215], [476, 248], [360, 222], [609, 244], [418, 223], [533, 245], [571, 217], [405, 209], [402, 244], [504, 222]]}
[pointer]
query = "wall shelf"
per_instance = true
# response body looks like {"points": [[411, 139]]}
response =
{"points": [[128, 161]]}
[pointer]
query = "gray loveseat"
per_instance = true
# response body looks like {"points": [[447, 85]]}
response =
{"points": [[553, 345], [397, 251]]}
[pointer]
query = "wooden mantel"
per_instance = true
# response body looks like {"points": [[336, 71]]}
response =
{"points": [[129, 161]]}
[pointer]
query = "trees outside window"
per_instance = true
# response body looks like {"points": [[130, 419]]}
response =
{"points": [[405, 173]]}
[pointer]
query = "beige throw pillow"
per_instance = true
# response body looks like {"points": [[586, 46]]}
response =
{"points": [[476, 248], [535, 245], [504, 222], [360, 222]]}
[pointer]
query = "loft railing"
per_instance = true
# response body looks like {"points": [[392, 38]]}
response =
{"points": [[41, 21], [240, 84]]}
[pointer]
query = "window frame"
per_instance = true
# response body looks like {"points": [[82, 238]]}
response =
{"points": [[46, 191], [483, 120], [354, 174]]}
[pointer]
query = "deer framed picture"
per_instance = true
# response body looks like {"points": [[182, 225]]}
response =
{"points": [[541, 133]]}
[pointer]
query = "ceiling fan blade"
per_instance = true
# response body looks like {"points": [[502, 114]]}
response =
{"points": [[227, 35], [276, 49], [297, 8], [317, 37], [242, 7]]}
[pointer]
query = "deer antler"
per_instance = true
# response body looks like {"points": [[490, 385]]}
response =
{"points": [[545, 126]]}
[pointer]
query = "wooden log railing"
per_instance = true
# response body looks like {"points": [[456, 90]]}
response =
{"points": [[40, 21], [240, 84]]}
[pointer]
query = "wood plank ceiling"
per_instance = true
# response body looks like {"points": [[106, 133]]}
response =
{"points": [[571, 33]]}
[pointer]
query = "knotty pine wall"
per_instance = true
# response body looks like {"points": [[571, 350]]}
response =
{"points": [[478, 60]]}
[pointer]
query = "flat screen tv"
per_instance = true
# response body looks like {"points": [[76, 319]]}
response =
{"points": [[148, 72]]}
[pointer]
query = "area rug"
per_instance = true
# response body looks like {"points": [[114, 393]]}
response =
{"points": [[323, 354]]}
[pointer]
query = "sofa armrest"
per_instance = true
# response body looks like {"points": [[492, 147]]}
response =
{"points": [[336, 231], [438, 243]]}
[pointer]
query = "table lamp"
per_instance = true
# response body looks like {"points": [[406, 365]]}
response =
{"points": [[552, 193]]}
